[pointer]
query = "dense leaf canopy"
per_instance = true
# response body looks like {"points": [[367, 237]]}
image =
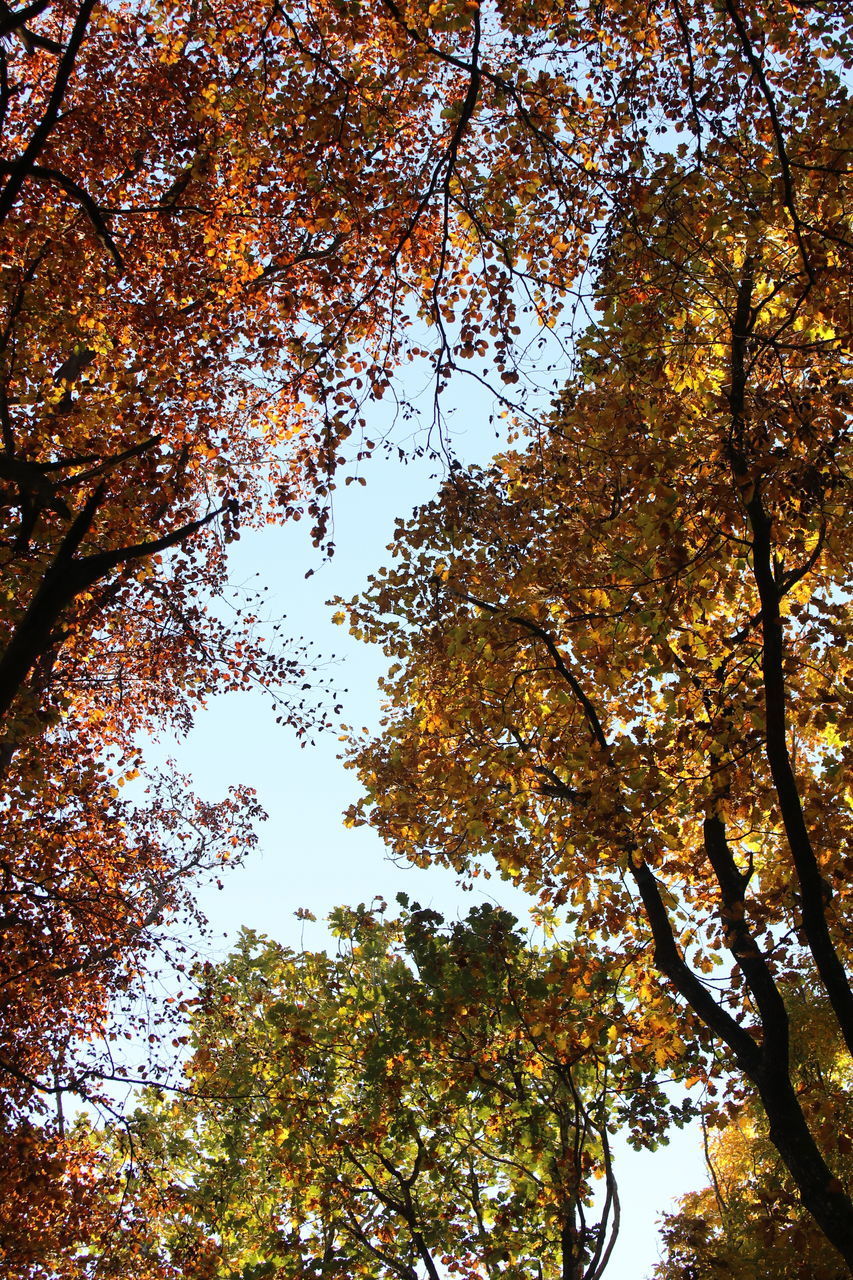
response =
{"points": [[619, 666], [431, 1100], [226, 228]]}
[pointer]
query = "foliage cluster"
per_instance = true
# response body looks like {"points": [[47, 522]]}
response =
{"points": [[432, 1097]]}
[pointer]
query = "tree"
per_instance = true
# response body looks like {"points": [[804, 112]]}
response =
{"points": [[619, 666], [174, 297], [219, 223], [433, 1098], [224, 225], [96, 890], [182, 187], [749, 1221], [64, 1213]]}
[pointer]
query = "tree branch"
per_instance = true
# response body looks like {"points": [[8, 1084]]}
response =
{"points": [[43, 174], [25, 162], [14, 20], [66, 578]]}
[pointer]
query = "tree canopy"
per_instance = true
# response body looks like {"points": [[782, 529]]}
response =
{"points": [[431, 1100], [227, 227], [619, 667]]}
